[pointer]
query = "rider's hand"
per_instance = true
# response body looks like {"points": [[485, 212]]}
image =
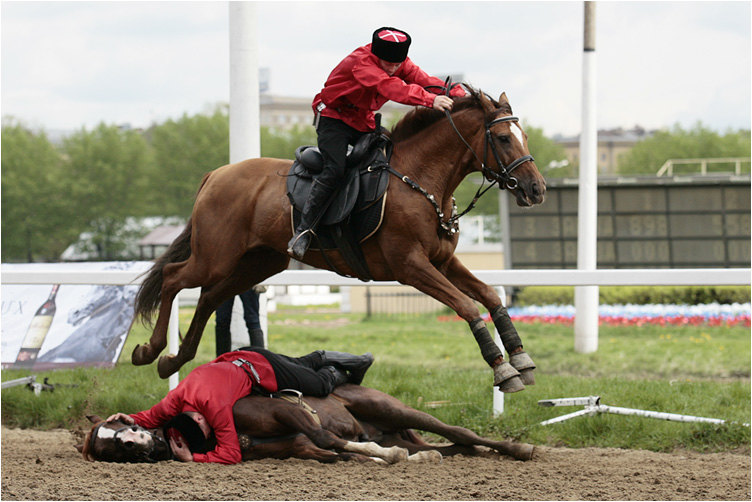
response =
{"points": [[181, 450], [126, 419], [442, 103]]}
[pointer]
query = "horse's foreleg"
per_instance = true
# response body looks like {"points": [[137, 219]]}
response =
{"points": [[421, 274], [461, 277]]}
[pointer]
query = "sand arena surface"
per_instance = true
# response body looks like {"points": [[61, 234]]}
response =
{"points": [[44, 465]]}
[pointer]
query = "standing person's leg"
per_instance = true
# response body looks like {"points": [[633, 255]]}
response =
{"points": [[250, 301], [223, 318]]}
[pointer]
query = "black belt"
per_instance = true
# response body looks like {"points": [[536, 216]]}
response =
{"points": [[249, 369]]}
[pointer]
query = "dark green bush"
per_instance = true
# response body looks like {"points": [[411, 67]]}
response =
{"points": [[638, 295]]}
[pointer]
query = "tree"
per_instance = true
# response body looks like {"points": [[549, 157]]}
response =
{"points": [[647, 156], [184, 151], [108, 169], [36, 206], [282, 144]]}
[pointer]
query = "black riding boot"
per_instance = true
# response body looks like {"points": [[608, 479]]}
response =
{"points": [[318, 201], [356, 366], [335, 375]]}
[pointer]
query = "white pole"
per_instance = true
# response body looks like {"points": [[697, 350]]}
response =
{"points": [[586, 297], [174, 338], [245, 138]]}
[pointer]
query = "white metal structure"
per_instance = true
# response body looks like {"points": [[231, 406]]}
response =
{"points": [[586, 297], [667, 169]]}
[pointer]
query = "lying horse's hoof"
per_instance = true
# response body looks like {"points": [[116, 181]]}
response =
{"points": [[167, 366], [427, 456], [396, 454], [521, 451], [507, 379], [523, 363], [142, 354]]}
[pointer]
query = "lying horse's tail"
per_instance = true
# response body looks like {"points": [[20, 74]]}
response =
{"points": [[150, 293]]}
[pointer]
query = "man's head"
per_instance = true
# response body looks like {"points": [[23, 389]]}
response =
{"points": [[193, 428], [390, 44]]}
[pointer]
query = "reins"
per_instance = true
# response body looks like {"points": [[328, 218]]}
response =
{"points": [[451, 226]]}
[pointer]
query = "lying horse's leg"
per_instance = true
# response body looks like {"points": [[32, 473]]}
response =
{"points": [[391, 415], [255, 266], [421, 274], [290, 417], [473, 287]]}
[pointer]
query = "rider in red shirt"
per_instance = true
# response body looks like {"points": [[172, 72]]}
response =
{"points": [[359, 85], [209, 392]]}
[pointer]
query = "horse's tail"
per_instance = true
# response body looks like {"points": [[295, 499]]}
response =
{"points": [[149, 294]]}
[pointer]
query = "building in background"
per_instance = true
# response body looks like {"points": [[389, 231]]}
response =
{"points": [[612, 144]]}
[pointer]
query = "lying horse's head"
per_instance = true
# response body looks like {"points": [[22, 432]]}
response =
{"points": [[119, 442]]}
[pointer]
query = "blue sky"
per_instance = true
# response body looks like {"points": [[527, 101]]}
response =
{"points": [[67, 65]]}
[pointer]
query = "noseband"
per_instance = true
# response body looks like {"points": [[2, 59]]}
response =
{"points": [[146, 456]]}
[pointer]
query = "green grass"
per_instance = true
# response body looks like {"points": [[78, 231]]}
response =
{"points": [[436, 366]]}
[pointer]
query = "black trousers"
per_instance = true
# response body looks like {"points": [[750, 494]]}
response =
{"points": [[223, 315], [299, 373], [333, 138]]}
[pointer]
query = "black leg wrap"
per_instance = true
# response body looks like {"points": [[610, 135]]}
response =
{"points": [[488, 348], [504, 326]]}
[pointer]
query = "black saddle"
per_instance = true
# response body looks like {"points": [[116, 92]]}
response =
{"points": [[355, 213]]}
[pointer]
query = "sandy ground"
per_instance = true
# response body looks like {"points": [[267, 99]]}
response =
{"points": [[45, 465]]}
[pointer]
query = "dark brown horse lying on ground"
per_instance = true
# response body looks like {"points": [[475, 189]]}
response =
{"points": [[241, 223], [355, 423]]}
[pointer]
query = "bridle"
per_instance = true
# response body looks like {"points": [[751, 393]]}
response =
{"points": [[145, 456], [503, 176]]}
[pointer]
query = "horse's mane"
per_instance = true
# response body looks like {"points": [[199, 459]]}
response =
{"points": [[419, 118]]}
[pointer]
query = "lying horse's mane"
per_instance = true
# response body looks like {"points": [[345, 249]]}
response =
{"points": [[420, 118]]}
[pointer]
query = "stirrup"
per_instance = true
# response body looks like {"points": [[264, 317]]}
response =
{"points": [[295, 240]]}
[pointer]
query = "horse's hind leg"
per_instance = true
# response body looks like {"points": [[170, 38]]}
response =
{"points": [[176, 276], [473, 287], [390, 414], [255, 266]]}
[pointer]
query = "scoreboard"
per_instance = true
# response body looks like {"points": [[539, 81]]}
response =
{"points": [[678, 222]]}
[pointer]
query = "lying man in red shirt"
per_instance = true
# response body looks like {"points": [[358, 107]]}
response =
{"points": [[202, 402], [359, 85]]}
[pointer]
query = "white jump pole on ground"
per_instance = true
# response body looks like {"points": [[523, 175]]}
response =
{"points": [[586, 297], [245, 138]]}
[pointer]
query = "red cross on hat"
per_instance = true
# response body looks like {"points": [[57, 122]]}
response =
{"points": [[392, 36]]}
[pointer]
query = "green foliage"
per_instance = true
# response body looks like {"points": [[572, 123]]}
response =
{"points": [[185, 150], [649, 155], [282, 144], [636, 295], [36, 203], [701, 371]]}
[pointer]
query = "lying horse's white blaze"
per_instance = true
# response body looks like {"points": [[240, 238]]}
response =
{"points": [[392, 454], [129, 435]]}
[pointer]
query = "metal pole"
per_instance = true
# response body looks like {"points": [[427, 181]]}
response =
{"points": [[174, 338], [245, 137], [586, 297]]}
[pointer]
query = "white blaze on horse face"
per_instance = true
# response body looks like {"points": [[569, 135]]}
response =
{"points": [[105, 433], [517, 131], [137, 437]]}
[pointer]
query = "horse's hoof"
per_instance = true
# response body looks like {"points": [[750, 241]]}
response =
{"points": [[507, 379], [142, 355], [427, 456], [523, 363], [523, 451], [167, 366]]}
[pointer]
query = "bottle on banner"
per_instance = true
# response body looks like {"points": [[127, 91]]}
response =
{"points": [[37, 331]]}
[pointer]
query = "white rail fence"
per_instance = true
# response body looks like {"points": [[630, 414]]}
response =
{"points": [[500, 278]]}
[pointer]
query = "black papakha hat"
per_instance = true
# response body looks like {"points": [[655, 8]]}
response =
{"points": [[390, 44], [190, 430]]}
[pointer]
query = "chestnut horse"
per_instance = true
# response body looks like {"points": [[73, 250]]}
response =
{"points": [[354, 423], [241, 222]]}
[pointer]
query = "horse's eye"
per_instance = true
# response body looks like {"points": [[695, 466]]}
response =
{"points": [[504, 138]]}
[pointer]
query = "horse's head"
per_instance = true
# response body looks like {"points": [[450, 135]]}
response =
{"points": [[119, 442], [506, 156]]}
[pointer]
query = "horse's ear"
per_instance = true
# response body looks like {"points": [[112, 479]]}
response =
{"points": [[94, 418], [504, 102], [487, 104]]}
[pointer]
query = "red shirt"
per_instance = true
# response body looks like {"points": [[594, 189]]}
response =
{"points": [[212, 390], [358, 86]]}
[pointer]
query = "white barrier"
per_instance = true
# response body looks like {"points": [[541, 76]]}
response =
{"points": [[558, 277]]}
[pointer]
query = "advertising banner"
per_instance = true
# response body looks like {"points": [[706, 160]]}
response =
{"points": [[64, 325]]}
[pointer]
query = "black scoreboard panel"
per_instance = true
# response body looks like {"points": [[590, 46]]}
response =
{"points": [[642, 223]]}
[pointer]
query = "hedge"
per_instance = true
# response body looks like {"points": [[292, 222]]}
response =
{"points": [[636, 295]]}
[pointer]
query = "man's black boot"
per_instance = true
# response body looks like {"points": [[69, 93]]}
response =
{"points": [[355, 365], [316, 204], [338, 377]]}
